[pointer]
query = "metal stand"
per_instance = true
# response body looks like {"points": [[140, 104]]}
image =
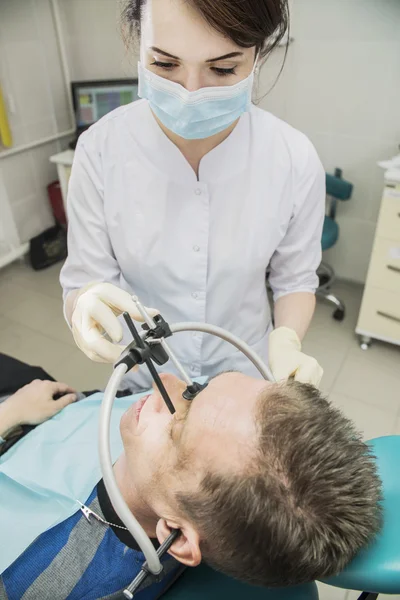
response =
{"points": [[326, 277], [340, 309]]}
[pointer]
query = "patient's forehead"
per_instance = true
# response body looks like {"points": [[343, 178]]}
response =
{"points": [[221, 423]]}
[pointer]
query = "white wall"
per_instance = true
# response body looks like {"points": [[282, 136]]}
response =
{"points": [[35, 95], [94, 41], [341, 86]]}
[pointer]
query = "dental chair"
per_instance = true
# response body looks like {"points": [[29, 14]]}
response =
{"points": [[336, 189], [376, 569]]}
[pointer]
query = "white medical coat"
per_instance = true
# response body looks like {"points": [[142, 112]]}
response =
{"points": [[197, 249]]}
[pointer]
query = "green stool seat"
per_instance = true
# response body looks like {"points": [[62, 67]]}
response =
{"points": [[203, 583], [377, 568], [330, 233]]}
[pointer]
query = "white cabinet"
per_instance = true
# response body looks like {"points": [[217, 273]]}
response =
{"points": [[380, 309]]}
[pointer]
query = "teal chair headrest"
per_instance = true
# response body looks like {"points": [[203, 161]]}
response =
{"points": [[203, 583], [338, 188], [377, 568]]}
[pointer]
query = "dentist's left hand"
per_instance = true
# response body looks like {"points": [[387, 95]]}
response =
{"points": [[287, 360], [95, 313]]}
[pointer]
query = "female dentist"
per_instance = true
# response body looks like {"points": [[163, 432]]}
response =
{"points": [[186, 197]]}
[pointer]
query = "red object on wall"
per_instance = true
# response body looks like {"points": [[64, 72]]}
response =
{"points": [[56, 201]]}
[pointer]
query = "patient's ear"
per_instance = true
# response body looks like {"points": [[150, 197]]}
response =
{"points": [[186, 547]]}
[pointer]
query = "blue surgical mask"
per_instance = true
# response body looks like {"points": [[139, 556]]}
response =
{"points": [[194, 115]]}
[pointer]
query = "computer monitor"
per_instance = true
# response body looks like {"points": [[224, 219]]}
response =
{"points": [[94, 99]]}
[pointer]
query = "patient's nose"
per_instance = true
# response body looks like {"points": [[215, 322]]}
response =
{"points": [[175, 388]]}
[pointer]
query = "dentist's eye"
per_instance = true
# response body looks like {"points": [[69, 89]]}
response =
{"points": [[223, 72], [167, 66]]}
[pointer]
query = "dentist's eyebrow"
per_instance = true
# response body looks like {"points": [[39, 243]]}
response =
{"points": [[210, 60], [159, 51], [225, 56]]}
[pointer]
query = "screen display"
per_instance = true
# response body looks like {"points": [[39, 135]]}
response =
{"points": [[94, 102]]}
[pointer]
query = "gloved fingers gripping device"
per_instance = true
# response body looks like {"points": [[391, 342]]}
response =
{"points": [[149, 347]]}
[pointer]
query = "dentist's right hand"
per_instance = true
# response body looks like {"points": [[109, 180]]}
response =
{"points": [[95, 312]]}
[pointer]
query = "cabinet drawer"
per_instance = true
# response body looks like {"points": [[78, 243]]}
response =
{"points": [[389, 216], [384, 270], [380, 314]]}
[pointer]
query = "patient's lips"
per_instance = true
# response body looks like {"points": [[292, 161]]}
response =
{"points": [[139, 405]]}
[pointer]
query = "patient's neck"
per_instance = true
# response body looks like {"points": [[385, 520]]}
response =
{"points": [[140, 509]]}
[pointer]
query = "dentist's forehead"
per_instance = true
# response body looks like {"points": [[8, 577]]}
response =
{"points": [[176, 27]]}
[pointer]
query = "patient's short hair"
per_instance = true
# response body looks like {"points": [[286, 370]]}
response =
{"points": [[302, 507]]}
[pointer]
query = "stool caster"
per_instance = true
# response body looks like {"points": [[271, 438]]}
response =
{"points": [[339, 314], [365, 342]]}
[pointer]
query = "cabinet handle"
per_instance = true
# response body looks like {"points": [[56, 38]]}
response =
{"points": [[392, 268], [387, 316]]}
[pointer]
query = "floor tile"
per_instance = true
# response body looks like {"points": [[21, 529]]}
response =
{"points": [[11, 294], [327, 592], [372, 376], [330, 359], [4, 322], [338, 334], [81, 373], [45, 281], [43, 314], [58, 329], [32, 347], [370, 420]]}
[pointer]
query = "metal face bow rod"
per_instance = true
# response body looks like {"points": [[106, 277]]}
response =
{"points": [[144, 572], [149, 363]]}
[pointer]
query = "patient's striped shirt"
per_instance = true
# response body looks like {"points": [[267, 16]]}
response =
{"points": [[78, 560]]}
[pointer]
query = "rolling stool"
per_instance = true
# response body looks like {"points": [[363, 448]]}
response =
{"points": [[376, 569], [336, 189]]}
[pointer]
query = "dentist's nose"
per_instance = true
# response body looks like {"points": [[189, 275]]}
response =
{"points": [[192, 81]]}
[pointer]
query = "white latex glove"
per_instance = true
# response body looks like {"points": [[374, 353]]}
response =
{"points": [[95, 316], [287, 360]]}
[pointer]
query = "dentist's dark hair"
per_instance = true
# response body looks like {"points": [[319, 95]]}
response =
{"points": [[248, 23]]}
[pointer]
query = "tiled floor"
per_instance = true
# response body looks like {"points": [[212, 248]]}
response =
{"points": [[366, 385]]}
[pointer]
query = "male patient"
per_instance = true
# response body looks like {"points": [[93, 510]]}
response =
{"points": [[267, 483]]}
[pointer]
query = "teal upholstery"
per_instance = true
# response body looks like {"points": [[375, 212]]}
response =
{"points": [[377, 569], [338, 188], [330, 233], [203, 583]]}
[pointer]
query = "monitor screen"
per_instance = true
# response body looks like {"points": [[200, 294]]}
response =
{"points": [[94, 99]]}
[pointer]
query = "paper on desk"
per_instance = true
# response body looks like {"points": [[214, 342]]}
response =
{"points": [[392, 163], [392, 168], [393, 175]]}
